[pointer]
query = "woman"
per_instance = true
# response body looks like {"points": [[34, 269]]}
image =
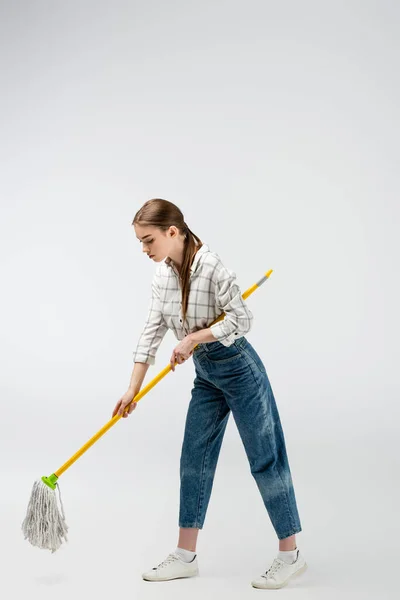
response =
{"points": [[190, 288]]}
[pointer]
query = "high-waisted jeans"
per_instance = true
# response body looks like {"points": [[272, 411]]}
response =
{"points": [[233, 378]]}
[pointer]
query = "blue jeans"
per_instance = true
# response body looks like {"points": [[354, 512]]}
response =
{"points": [[233, 378]]}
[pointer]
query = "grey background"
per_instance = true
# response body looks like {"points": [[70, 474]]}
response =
{"points": [[274, 127]]}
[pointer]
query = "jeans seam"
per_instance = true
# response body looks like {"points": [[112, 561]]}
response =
{"points": [[289, 512], [223, 361], [200, 500], [254, 361], [276, 468], [251, 367]]}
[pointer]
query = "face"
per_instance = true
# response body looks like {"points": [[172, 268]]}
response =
{"points": [[156, 243]]}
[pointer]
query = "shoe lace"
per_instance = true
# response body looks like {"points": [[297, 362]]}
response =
{"points": [[276, 565], [170, 558]]}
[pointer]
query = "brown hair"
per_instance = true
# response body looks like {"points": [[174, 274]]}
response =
{"points": [[162, 214]]}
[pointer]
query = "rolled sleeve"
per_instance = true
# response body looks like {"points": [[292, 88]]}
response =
{"points": [[238, 317], [154, 330]]}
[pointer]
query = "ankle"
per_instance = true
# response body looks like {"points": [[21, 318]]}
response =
{"points": [[288, 544], [186, 555]]}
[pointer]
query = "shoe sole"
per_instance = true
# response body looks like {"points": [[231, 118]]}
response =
{"points": [[170, 578], [281, 585]]}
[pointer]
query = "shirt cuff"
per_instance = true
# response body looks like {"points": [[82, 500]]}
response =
{"points": [[220, 335], [144, 358]]}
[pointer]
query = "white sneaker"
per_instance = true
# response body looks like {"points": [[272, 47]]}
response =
{"points": [[173, 567], [280, 572]]}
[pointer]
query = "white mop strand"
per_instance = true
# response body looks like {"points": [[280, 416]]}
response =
{"points": [[43, 525]]}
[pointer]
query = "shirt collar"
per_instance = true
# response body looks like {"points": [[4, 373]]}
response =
{"points": [[204, 248]]}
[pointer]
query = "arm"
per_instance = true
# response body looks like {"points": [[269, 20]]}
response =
{"points": [[238, 317], [202, 335], [154, 330], [138, 375]]}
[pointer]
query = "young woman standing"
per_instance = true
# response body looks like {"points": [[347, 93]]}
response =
{"points": [[190, 288]]}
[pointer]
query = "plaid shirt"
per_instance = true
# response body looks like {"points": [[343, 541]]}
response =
{"points": [[213, 290]]}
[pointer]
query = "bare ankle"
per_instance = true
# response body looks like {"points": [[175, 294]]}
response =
{"points": [[188, 538]]}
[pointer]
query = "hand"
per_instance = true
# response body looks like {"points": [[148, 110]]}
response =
{"points": [[124, 401], [182, 351]]}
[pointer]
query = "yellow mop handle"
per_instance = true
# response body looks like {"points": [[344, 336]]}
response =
{"points": [[146, 389]]}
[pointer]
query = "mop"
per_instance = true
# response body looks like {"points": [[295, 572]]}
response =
{"points": [[44, 525]]}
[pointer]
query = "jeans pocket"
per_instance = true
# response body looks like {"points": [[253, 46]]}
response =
{"points": [[223, 354]]}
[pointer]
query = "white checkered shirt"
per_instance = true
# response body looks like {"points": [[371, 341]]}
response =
{"points": [[213, 290]]}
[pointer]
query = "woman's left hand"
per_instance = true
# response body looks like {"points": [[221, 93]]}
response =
{"points": [[182, 351]]}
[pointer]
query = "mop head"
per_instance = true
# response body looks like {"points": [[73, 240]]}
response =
{"points": [[44, 525]]}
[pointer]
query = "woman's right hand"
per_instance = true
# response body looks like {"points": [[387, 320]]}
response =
{"points": [[124, 401]]}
